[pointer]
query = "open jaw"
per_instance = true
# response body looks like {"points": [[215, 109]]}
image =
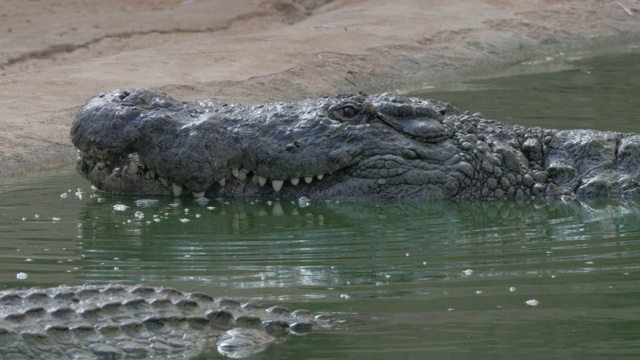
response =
{"points": [[142, 142]]}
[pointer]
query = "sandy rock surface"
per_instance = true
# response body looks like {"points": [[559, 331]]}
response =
{"points": [[55, 55]]}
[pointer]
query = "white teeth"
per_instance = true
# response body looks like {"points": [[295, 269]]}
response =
{"points": [[132, 168], [222, 182], [199, 194], [152, 173], [142, 164], [242, 174], [320, 176], [295, 181], [277, 185], [177, 190], [308, 179], [262, 180], [147, 175], [235, 172], [164, 181]]}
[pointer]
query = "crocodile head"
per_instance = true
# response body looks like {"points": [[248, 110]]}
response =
{"points": [[143, 142]]}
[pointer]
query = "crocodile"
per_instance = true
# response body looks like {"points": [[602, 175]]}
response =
{"points": [[382, 146], [135, 321]]}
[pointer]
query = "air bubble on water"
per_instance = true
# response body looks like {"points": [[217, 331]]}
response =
{"points": [[303, 202], [24, 219], [468, 272], [553, 276], [28, 260], [450, 309], [147, 202], [532, 302], [21, 275], [64, 195], [210, 207], [79, 194], [139, 215], [120, 207], [589, 262], [156, 220], [55, 219], [387, 276], [269, 202], [101, 199], [478, 292], [512, 289], [198, 215], [184, 220], [36, 216], [116, 268], [407, 254], [344, 296], [424, 263], [186, 210]]}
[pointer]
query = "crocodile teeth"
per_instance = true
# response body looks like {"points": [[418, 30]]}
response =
{"points": [[308, 179], [242, 174], [277, 185], [234, 172], [177, 190], [164, 181], [147, 175], [262, 180], [132, 168], [319, 177], [142, 164], [199, 194], [295, 181], [222, 182], [152, 173]]}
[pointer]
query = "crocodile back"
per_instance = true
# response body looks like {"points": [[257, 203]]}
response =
{"points": [[119, 321]]}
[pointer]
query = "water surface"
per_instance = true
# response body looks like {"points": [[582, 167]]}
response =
{"points": [[439, 280]]}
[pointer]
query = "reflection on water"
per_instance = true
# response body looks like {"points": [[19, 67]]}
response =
{"points": [[441, 280]]}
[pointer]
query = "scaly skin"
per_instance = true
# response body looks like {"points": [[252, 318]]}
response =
{"points": [[117, 321], [378, 147]]}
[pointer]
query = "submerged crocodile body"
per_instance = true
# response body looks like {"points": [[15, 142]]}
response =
{"points": [[117, 321], [379, 146]]}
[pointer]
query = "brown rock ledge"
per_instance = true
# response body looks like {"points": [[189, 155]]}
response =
{"points": [[55, 55]]}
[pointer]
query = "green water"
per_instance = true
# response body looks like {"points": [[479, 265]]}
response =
{"points": [[443, 280]]}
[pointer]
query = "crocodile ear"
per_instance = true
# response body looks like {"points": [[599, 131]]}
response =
{"points": [[426, 129]]}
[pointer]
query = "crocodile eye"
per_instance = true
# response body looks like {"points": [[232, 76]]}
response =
{"points": [[349, 111], [345, 112]]}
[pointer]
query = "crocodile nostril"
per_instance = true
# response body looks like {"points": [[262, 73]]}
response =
{"points": [[124, 95]]}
